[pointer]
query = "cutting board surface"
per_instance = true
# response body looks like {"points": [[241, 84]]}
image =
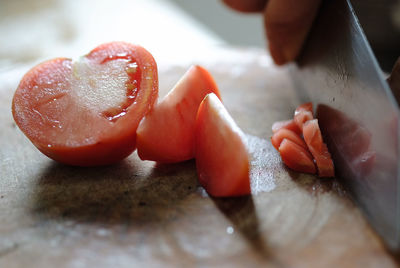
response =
{"points": [[138, 213]]}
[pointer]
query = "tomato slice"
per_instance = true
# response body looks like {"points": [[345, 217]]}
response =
{"points": [[302, 114], [319, 150], [86, 112], [288, 124], [222, 159], [296, 157], [284, 133], [166, 134]]}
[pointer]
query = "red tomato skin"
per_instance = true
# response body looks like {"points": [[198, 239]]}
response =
{"points": [[166, 134], [106, 152], [222, 159], [288, 124], [107, 147], [296, 157], [319, 150], [284, 133]]}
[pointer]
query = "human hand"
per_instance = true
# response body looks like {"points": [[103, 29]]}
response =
{"points": [[287, 23]]}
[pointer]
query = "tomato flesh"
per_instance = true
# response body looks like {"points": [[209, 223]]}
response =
{"points": [[222, 159], [301, 117], [166, 134], [308, 107], [284, 133], [296, 157], [288, 124], [313, 138], [86, 112], [302, 114]]}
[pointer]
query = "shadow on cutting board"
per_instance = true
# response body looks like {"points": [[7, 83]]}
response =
{"points": [[130, 196], [316, 186], [125, 193], [241, 212]]}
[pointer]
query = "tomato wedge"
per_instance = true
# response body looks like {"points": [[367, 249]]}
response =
{"points": [[319, 150], [86, 112], [296, 157], [222, 159], [288, 124], [284, 133], [166, 134]]}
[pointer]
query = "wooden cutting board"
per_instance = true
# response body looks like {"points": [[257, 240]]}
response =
{"points": [[139, 213]]}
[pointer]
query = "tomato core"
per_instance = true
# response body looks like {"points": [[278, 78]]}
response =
{"points": [[132, 85]]}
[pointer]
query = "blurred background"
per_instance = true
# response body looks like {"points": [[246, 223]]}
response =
{"points": [[173, 30], [34, 30]]}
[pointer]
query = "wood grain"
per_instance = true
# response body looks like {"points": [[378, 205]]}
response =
{"points": [[139, 213]]}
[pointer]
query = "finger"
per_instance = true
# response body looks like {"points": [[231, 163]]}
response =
{"points": [[287, 23], [246, 5]]}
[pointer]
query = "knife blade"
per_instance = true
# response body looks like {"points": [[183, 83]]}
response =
{"points": [[357, 112]]}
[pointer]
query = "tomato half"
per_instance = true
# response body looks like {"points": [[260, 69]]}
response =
{"points": [[166, 134], [222, 159], [86, 112]]}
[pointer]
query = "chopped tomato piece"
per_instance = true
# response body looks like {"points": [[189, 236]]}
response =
{"points": [[304, 107], [166, 134], [221, 156], [86, 112], [288, 124], [319, 150], [302, 114], [296, 157], [284, 133], [301, 117]]}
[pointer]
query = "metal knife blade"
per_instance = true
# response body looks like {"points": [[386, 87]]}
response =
{"points": [[357, 112]]}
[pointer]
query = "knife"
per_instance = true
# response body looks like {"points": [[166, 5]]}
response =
{"points": [[357, 113]]}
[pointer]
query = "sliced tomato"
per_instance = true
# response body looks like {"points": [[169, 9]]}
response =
{"points": [[166, 134], [288, 124], [284, 133], [86, 112], [308, 107], [302, 114], [301, 117], [222, 159], [319, 150], [296, 157]]}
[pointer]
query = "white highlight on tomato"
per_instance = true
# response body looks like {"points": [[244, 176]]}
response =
{"points": [[99, 87]]}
